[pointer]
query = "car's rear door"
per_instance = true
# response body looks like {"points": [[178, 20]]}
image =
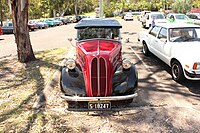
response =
{"points": [[162, 46], [152, 39]]}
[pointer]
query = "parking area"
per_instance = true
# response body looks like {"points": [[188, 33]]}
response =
{"points": [[163, 105]]}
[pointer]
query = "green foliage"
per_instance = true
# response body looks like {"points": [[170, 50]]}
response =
{"points": [[50, 8], [181, 6], [5, 10]]}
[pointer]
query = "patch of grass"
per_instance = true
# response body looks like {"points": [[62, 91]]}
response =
{"points": [[90, 14], [20, 85]]}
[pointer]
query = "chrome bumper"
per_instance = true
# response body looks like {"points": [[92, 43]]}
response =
{"points": [[109, 98]]}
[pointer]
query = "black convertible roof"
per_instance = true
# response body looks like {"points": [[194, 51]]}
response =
{"points": [[98, 23]]}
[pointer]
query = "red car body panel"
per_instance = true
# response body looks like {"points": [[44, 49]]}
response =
{"points": [[108, 52]]}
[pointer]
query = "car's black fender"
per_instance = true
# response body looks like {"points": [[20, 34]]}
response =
{"points": [[125, 81], [72, 82]]}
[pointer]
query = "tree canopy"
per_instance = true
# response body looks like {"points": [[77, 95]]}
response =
{"points": [[50, 8]]}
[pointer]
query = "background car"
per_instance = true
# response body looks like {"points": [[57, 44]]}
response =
{"points": [[178, 18], [1, 32], [153, 17], [57, 22], [128, 16], [39, 24], [64, 20], [7, 28], [32, 25], [50, 22], [177, 45]]}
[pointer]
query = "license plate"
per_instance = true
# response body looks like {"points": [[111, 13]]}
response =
{"points": [[99, 105]]}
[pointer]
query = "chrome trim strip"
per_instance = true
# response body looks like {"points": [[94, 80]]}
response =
{"points": [[91, 74], [109, 98], [98, 76], [106, 92]]}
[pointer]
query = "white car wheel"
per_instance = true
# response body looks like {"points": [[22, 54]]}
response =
{"points": [[145, 49]]}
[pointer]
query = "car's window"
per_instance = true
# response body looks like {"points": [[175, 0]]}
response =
{"points": [[106, 33], [157, 16], [184, 34], [163, 34], [192, 16], [10, 24], [181, 16], [154, 31]]}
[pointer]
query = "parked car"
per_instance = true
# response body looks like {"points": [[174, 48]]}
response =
{"points": [[195, 18], [98, 75], [1, 32], [57, 22], [64, 20], [32, 25], [78, 18], [39, 24], [72, 19], [177, 45], [7, 28], [178, 18], [50, 22], [153, 18], [128, 16], [75, 19]]}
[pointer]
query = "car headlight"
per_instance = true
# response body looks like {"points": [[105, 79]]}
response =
{"points": [[71, 64], [196, 66], [126, 64]]}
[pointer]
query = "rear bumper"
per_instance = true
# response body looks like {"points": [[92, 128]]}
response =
{"points": [[109, 98]]}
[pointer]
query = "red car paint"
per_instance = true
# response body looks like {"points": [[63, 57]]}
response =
{"points": [[105, 49]]}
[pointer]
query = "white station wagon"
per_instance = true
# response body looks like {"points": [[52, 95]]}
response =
{"points": [[178, 45]]}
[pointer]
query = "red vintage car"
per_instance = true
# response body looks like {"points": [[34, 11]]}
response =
{"points": [[99, 75]]}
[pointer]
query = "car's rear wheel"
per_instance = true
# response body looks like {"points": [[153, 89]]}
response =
{"points": [[145, 49], [177, 71]]}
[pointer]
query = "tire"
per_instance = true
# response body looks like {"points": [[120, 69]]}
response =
{"points": [[177, 71], [145, 49]]}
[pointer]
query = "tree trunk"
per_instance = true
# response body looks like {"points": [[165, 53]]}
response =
{"points": [[1, 13], [21, 31], [75, 7]]}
